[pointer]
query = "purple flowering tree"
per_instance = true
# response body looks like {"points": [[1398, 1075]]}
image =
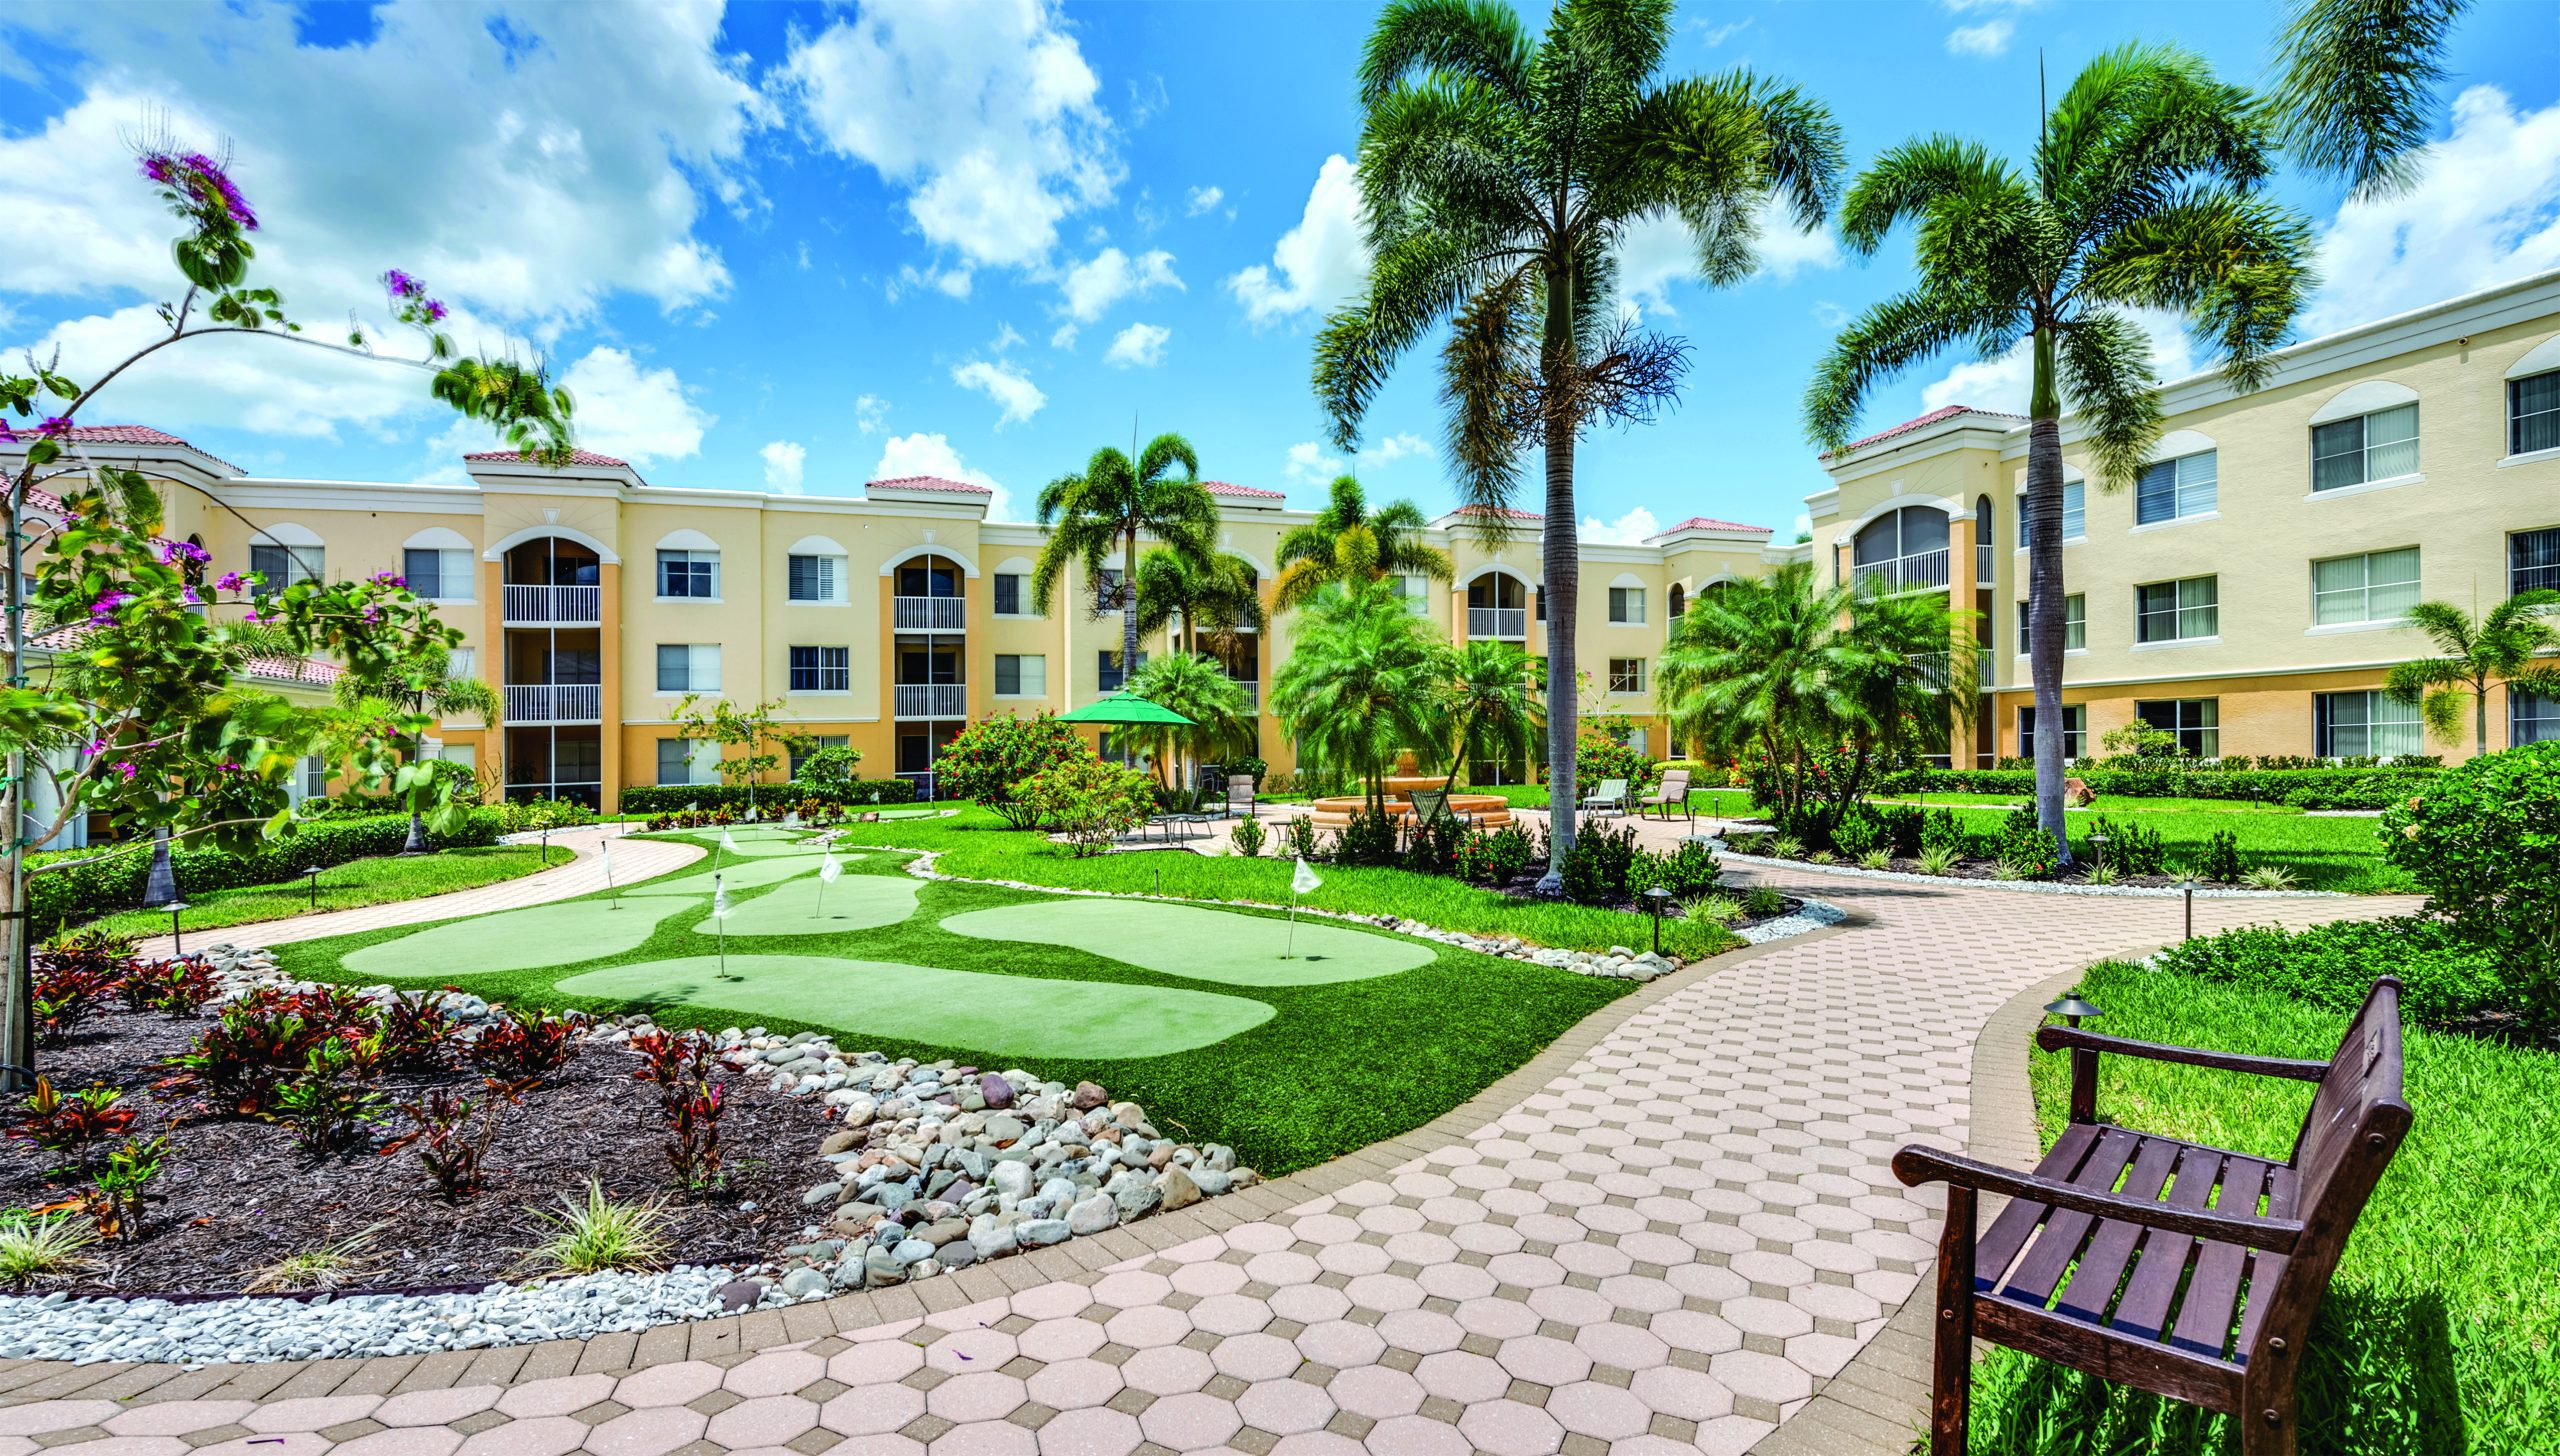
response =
{"points": [[127, 688]]}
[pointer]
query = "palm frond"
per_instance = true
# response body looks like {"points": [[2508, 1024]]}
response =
{"points": [[1480, 39], [1888, 338], [2360, 86], [1911, 179], [2105, 363], [2240, 267]]}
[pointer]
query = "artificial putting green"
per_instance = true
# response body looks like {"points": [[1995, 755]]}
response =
{"points": [[803, 906], [736, 873], [1010, 1016], [516, 940], [1199, 944]]}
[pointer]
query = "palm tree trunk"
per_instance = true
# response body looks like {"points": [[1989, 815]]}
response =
{"points": [[2044, 588], [2480, 714], [1563, 572], [1128, 605]]}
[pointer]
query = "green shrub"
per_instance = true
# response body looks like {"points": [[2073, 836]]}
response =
{"points": [[2220, 857], [1367, 838], [1090, 801], [1595, 869], [2024, 849], [85, 891], [1496, 858], [2444, 978], [2484, 842], [992, 759], [1249, 836], [1860, 829], [2132, 848], [1942, 835], [827, 767], [1302, 842], [2361, 786], [771, 798], [1687, 871]]}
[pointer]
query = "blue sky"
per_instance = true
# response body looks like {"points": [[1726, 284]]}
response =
{"points": [[803, 245]]}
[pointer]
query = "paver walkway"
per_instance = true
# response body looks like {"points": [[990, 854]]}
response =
{"points": [[1665, 1234], [633, 861]]}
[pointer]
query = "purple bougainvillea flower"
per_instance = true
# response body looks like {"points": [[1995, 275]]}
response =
{"points": [[54, 427], [435, 310], [105, 606], [7, 436], [402, 285], [231, 582], [188, 595]]}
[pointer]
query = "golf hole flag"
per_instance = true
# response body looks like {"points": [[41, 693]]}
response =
{"points": [[727, 844], [1299, 884], [830, 869], [719, 899], [1304, 880]]}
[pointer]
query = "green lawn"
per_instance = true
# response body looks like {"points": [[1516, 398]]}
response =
{"points": [[2441, 1332], [349, 886], [1292, 1062]]}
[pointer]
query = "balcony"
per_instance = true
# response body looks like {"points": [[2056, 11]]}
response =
{"points": [[1252, 693], [553, 606], [1925, 571], [931, 700], [535, 704], [1983, 565], [1510, 623], [925, 614]]}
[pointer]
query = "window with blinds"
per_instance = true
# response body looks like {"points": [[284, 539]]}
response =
{"points": [[2173, 489], [2376, 586], [2379, 446]]}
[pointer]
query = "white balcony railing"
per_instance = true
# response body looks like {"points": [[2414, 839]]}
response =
{"points": [[1498, 622], [932, 700], [1983, 565], [926, 614], [1918, 572], [1252, 694], [553, 606], [536, 703]]}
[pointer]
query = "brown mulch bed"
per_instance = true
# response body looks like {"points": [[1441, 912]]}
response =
{"points": [[237, 1195]]}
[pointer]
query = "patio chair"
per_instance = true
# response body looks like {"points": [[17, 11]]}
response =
{"points": [[1673, 794], [1611, 795], [1238, 803], [1430, 806]]}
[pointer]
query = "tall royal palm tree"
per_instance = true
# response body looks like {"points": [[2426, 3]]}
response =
{"points": [[2358, 94], [2144, 191], [1490, 692], [1218, 588], [1359, 685], [1105, 509], [2502, 645], [421, 682], [1199, 689], [1500, 175], [1347, 539]]}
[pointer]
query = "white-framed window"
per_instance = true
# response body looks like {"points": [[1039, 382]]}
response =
{"points": [[683, 764], [285, 566], [799, 749], [1626, 606], [1635, 738], [2178, 611], [1626, 674], [438, 573], [817, 579], [1416, 591], [2357, 724], [689, 575], [822, 669], [2365, 448], [2075, 512], [2196, 721], [688, 667], [2169, 490], [2375, 586], [1022, 675], [1012, 594], [310, 779], [2075, 623], [2533, 413], [2531, 719], [465, 754], [2075, 731], [2533, 560], [460, 662]]}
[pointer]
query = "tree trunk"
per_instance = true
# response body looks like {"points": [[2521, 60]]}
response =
{"points": [[2480, 715], [1128, 605], [17, 972], [1563, 571], [2045, 606]]}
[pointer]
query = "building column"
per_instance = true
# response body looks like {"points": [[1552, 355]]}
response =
{"points": [[1961, 534], [493, 668], [609, 676]]}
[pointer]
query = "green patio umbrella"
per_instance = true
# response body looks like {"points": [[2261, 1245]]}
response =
{"points": [[1126, 707]]}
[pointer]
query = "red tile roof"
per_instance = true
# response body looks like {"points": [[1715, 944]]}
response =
{"points": [[133, 435], [931, 482], [310, 670], [1229, 487], [576, 457], [1942, 412], [1710, 523], [1516, 515]]}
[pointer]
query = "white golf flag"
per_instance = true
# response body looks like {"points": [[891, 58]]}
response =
{"points": [[830, 869], [791, 820], [719, 899], [604, 852], [727, 844], [1304, 880]]}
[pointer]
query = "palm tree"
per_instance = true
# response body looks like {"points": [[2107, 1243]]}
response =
{"points": [[423, 682], [2501, 645], [1347, 539], [1219, 587], [1491, 692], [1359, 685], [1499, 176], [2144, 191], [1795, 670], [1197, 687], [1108, 507], [2358, 94]]}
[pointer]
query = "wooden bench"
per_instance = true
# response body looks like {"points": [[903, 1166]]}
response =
{"points": [[2168, 1266]]}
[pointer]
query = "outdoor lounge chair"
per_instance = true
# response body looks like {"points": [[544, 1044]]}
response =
{"points": [[1432, 805], [1673, 794], [1238, 803], [1611, 795]]}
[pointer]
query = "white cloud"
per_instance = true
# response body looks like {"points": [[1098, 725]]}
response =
{"points": [[639, 414], [1320, 263], [870, 414], [1204, 199], [1656, 253], [1405, 446], [1990, 38], [1139, 345], [606, 128], [2486, 210], [1063, 337], [783, 462], [1716, 35], [1627, 530], [1828, 314], [923, 454], [949, 282], [1006, 337], [984, 112], [2004, 383], [1310, 465], [1091, 287], [1012, 390]]}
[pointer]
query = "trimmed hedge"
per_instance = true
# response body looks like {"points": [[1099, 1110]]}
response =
{"points": [[2304, 788], [70, 896], [668, 798], [2445, 979]]}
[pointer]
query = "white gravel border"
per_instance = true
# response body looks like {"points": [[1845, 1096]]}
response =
{"points": [[2033, 887]]}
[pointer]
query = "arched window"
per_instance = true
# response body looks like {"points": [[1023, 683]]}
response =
{"points": [[1984, 563], [1679, 602], [1497, 606], [286, 554], [1903, 550]]}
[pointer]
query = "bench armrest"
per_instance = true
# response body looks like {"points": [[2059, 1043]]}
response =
{"points": [[1916, 1165], [2058, 1038]]}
